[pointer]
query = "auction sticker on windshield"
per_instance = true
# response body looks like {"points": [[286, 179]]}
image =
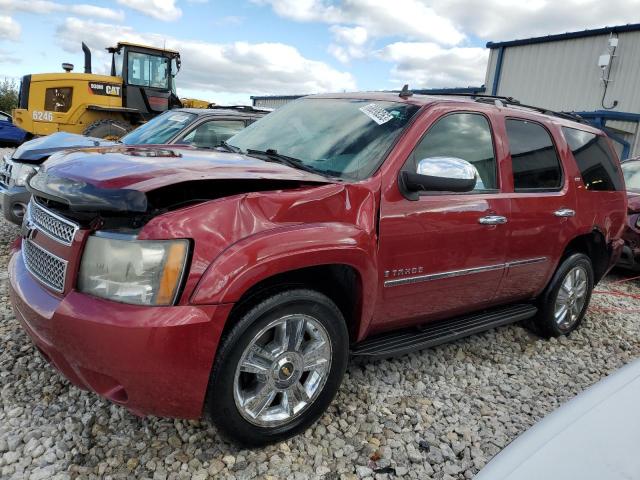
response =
{"points": [[376, 113]]}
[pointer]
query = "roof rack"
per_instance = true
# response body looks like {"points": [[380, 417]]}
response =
{"points": [[242, 108], [512, 102]]}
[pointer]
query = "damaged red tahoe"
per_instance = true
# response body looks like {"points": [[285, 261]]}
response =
{"points": [[236, 283]]}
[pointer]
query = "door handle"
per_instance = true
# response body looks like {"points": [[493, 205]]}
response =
{"points": [[565, 212], [492, 220]]}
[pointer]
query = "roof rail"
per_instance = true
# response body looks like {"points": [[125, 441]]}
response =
{"points": [[243, 108], [512, 102]]}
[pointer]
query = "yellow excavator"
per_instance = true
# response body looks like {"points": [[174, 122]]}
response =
{"points": [[140, 86]]}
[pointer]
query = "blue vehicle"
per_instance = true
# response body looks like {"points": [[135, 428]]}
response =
{"points": [[9, 133]]}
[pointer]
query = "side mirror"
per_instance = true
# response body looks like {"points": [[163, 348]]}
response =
{"points": [[439, 174]]}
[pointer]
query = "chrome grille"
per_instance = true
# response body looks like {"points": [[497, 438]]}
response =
{"points": [[53, 225], [45, 266]]}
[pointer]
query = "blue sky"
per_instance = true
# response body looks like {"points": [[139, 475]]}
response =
{"points": [[234, 49]]}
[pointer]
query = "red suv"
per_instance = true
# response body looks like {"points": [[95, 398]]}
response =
{"points": [[236, 283]]}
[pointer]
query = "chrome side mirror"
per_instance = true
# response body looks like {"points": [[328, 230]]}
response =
{"points": [[440, 174]]}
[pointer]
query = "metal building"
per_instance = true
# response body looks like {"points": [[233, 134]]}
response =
{"points": [[595, 73]]}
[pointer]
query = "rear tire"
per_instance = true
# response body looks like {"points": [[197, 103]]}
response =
{"points": [[108, 129], [278, 368], [565, 301]]}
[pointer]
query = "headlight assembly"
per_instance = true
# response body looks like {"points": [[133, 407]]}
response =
{"points": [[20, 173], [141, 272]]}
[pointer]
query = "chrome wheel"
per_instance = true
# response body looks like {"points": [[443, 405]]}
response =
{"points": [[571, 298], [282, 370]]}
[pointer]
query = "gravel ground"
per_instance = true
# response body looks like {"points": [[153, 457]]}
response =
{"points": [[436, 414]]}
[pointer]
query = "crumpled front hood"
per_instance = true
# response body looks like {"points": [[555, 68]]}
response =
{"points": [[39, 149], [117, 179]]}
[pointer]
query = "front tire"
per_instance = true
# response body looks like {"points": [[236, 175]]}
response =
{"points": [[108, 129], [566, 299], [278, 368]]}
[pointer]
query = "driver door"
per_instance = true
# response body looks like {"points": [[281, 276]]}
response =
{"points": [[443, 254]]}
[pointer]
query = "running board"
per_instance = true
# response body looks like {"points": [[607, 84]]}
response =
{"points": [[436, 333]]}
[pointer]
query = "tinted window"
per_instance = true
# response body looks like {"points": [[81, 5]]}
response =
{"points": [[533, 156], [4, 118], [461, 135], [594, 159], [213, 133], [631, 171]]}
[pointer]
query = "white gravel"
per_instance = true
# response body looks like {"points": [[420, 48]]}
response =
{"points": [[437, 414]]}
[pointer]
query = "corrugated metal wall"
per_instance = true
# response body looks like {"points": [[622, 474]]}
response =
{"points": [[565, 76]]}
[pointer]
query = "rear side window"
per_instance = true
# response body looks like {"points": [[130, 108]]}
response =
{"points": [[595, 160], [533, 156]]}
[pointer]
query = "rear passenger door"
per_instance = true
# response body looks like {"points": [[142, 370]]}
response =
{"points": [[542, 209]]}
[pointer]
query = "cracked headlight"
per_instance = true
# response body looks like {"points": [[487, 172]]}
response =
{"points": [[20, 173], [140, 272]]}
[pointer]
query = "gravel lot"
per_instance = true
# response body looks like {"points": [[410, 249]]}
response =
{"points": [[439, 414]]}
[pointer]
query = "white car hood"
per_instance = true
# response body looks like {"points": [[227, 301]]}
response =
{"points": [[595, 436]]}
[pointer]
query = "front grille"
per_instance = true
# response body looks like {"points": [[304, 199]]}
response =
{"points": [[45, 266], [50, 224]]}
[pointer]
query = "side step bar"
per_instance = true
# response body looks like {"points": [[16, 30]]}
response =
{"points": [[436, 333]]}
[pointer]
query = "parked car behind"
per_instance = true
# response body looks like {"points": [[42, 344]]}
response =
{"points": [[200, 128], [10, 135], [592, 437], [235, 284], [630, 258]]}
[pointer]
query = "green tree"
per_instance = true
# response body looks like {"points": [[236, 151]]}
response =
{"points": [[8, 95]]}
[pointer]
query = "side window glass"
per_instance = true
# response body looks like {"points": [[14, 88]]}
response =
{"points": [[533, 156], [595, 160], [213, 133], [461, 135]]}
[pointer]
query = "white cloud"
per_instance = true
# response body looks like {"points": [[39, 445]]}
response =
{"points": [[9, 28], [46, 6], [239, 67], [164, 10], [411, 19], [428, 65], [349, 42], [507, 20]]}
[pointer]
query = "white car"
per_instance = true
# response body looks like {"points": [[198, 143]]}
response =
{"points": [[595, 436]]}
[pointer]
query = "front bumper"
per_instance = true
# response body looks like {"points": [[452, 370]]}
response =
{"points": [[151, 360], [13, 201]]}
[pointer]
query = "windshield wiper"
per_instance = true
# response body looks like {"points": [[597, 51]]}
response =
{"points": [[272, 155], [229, 148]]}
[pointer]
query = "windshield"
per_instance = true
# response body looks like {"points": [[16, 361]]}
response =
{"points": [[346, 138], [159, 130], [631, 171]]}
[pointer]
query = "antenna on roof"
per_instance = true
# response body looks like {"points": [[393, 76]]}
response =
{"points": [[405, 92]]}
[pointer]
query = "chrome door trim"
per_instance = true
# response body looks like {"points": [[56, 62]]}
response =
{"points": [[458, 273], [528, 261], [438, 276]]}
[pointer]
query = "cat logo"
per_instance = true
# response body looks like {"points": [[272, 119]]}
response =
{"points": [[107, 89]]}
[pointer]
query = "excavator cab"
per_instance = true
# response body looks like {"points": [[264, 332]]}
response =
{"points": [[148, 77]]}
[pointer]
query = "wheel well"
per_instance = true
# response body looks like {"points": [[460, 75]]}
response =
{"points": [[594, 246], [341, 283]]}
